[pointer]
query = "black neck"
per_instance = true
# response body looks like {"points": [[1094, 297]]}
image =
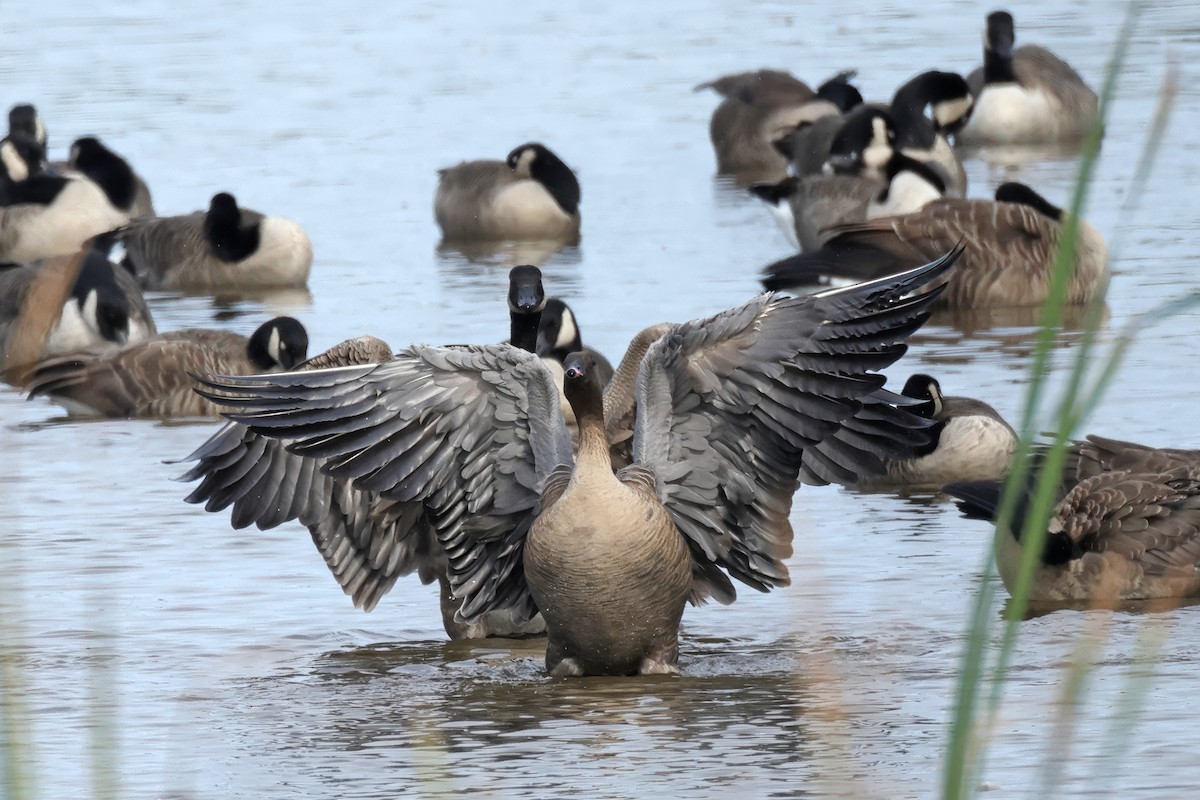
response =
{"points": [[548, 170], [40, 189], [901, 163], [523, 328], [113, 175]]}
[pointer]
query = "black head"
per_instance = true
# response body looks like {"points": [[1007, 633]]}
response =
{"points": [[1000, 35], [926, 388], [839, 91], [23, 120], [865, 141], [280, 343], [945, 94], [229, 239], [775, 193], [110, 172], [583, 386], [558, 333], [100, 298], [535, 161], [1014, 192], [525, 292]]}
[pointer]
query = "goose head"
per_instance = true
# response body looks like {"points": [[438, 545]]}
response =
{"points": [[584, 387], [864, 145], [278, 344], [536, 162], [23, 120], [1014, 192], [999, 37], [526, 299], [107, 169], [228, 238]]}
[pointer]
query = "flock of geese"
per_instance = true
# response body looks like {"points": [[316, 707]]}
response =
{"points": [[549, 492]]}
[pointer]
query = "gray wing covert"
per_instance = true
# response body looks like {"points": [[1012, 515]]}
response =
{"points": [[731, 408], [467, 433]]}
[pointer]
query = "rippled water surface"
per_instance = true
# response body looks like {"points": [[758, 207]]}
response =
{"points": [[205, 662]]}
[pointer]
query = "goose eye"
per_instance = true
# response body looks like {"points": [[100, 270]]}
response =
{"points": [[574, 372]]}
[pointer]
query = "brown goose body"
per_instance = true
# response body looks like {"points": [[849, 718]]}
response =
{"points": [[603, 550], [969, 441], [532, 195], [1008, 258], [152, 378], [1126, 526], [756, 109], [176, 254], [1049, 102]]}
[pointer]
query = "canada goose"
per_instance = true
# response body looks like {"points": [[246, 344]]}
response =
{"points": [[367, 541], [1025, 96], [64, 304], [558, 336], [733, 411], [123, 187], [758, 108], [152, 378], [944, 94], [1010, 243], [532, 194], [1116, 535], [45, 214], [968, 441], [226, 247], [866, 177], [24, 121]]}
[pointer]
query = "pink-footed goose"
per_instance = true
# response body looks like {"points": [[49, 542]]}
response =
{"points": [[733, 411]]}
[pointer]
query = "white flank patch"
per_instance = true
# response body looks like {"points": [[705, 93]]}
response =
{"points": [[908, 192], [1011, 114]]}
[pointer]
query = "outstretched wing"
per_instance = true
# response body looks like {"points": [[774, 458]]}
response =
{"points": [[469, 433], [366, 541], [731, 407]]}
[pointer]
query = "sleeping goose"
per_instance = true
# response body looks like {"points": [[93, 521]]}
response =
{"points": [[152, 378], [732, 412], [64, 304], [866, 177], [226, 247], [532, 194], [759, 108], [1010, 247], [1026, 96], [968, 441], [1130, 533], [43, 214], [124, 188], [367, 541]]}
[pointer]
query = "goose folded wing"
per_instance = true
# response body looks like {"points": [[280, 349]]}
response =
{"points": [[470, 433], [730, 407], [1153, 519]]}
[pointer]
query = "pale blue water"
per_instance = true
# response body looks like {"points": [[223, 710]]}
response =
{"points": [[227, 664]]}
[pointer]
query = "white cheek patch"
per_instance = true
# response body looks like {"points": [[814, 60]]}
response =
{"points": [[14, 165], [273, 346], [567, 331], [525, 161], [879, 151], [948, 112], [39, 130]]}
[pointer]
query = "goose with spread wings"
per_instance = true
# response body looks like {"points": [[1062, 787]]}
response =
{"points": [[733, 411]]}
